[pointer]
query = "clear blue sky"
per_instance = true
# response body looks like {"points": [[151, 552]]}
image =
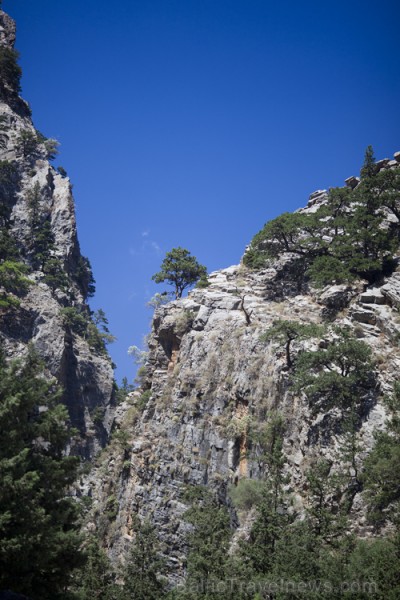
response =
{"points": [[192, 122]]}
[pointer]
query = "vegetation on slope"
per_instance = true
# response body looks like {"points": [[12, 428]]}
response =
{"points": [[349, 236]]}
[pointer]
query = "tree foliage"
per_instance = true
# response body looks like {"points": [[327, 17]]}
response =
{"points": [[208, 543], [97, 579], [272, 516], [31, 143], [93, 327], [83, 275], [13, 272], [339, 375], [381, 475], [8, 183], [10, 71], [27, 143], [39, 542], [181, 270], [143, 574], [347, 237], [13, 282], [285, 332]]}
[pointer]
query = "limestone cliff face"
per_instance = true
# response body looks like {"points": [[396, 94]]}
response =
{"points": [[210, 382], [32, 184]]}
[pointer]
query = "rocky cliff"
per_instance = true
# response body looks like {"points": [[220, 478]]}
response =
{"points": [[211, 382], [38, 230]]}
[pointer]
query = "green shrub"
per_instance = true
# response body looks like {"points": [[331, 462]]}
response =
{"points": [[81, 323], [143, 400], [247, 493], [120, 437], [97, 339], [55, 276], [83, 276], [62, 171], [327, 269], [8, 172], [51, 145], [10, 71], [75, 320], [122, 391], [98, 415], [8, 184], [141, 375], [97, 334], [8, 247], [203, 282], [13, 282], [111, 508]]}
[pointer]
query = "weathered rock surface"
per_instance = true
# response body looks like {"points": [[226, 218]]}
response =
{"points": [[210, 381], [86, 376]]}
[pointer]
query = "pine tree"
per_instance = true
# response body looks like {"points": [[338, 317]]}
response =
{"points": [[339, 375], [272, 516], [381, 476], [286, 332], [96, 580], [347, 237], [208, 544], [369, 167], [39, 542], [143, 574], [10, 71], [180, 269]]}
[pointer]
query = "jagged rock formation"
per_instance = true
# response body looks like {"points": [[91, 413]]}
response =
{"points": [[33, 190], [210, 382]]}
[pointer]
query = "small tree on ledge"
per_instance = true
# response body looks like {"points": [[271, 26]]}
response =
{"points": [[180, 269]]}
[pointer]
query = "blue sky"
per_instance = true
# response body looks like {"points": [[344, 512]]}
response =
{"points": [[192, 122]]}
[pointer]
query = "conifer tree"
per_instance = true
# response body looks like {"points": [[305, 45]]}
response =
{"points": [[96, 580], [286, 332], [39, 542], [272, 516], [143, 574], [208, 543], [381, 476], [369, 167], [339, 375], [181, 270]]}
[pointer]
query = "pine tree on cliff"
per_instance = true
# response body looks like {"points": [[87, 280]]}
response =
{"points": [[180, 269], [143, 575]]}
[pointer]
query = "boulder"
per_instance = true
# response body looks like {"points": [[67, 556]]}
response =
{"points": [[352, 182]]}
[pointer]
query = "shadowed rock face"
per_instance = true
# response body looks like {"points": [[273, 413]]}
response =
{"points": [[85, 375]]}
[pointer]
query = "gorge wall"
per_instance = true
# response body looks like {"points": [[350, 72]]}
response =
{"points": [[210, 384], [38, 220]]}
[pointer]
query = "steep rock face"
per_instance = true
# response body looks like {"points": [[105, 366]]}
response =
{"points": [[33, 191], [211, 382]]}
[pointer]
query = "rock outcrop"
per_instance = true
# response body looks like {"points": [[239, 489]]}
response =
{"points": [[211, 381], [35, 195]]}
